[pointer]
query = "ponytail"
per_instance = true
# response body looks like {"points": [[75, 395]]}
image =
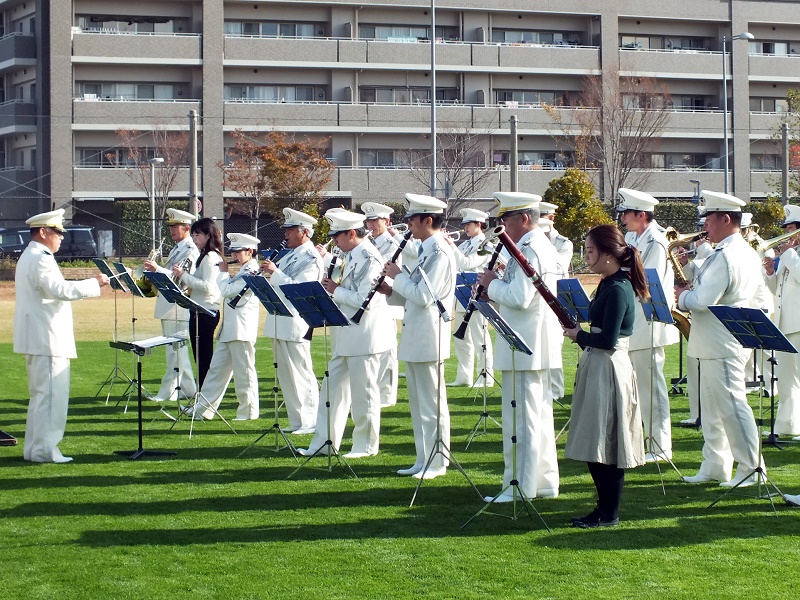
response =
{"points": [[632, 262]]}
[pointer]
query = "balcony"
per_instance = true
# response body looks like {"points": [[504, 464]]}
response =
{"points": [[763, 183], [115, 183], [298, 115], [17, 116], [18, 50], [772, 68], [257, 50], [764, 124], [683, 64], [674, 182], [136, 48], [138, 113]]}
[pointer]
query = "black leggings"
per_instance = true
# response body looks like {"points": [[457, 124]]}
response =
{"points": [[202, 343], [608, 479]]}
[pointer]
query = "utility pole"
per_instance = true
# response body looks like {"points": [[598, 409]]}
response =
{"points": [[513, 157], [193, 202], [785, 163]]}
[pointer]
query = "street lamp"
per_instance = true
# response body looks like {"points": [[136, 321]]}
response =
{"points": [[153, 162], [696, 196], [742, 36]]}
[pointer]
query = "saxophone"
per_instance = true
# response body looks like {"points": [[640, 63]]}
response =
{"points": [[676, 240]]}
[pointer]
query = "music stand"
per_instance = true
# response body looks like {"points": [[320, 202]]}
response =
{"points": [[517, 344], [318, 309], [575, 300], [272, 303], [753, 329], [173, 294], [656, 310], [139, 349], [117, 374]]}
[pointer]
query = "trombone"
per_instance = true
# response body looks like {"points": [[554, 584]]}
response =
{"points": [[763, 246]]}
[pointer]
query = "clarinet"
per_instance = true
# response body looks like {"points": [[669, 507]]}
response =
{"points": [[233, 302], [564, 317], [462, 329], [357, 317]]}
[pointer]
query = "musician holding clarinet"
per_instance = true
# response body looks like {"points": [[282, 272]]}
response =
{"points": [[526, 310], [235, 354], [292, 348], [425, 341]]}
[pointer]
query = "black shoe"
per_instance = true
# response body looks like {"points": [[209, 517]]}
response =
{"points": [[598, 523], [589, 520]]}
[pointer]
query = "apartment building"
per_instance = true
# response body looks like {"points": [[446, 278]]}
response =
{"points": [[73, 73]]}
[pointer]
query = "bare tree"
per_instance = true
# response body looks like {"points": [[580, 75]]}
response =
{"points": [[274, 170], [615, 127], [138, 148]]}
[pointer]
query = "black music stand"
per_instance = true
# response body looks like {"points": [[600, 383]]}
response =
{"points": [[752, 328], [139, 349], [173, 294], [272, 302], [517, 344], [318, 309], [116, 374], [656, 310], [575, 300]]}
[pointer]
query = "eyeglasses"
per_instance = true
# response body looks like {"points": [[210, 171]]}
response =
{"points": [[56, 231]]}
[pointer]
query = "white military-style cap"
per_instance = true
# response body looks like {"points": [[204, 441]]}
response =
{"points": [[295, 218], [792, 213], [719, 202], [424, 205], [343, 220], [747, 220], [53, 219], [179, 217], [514, 201], [473, 215], [636, 200], [373, 210], [547, 208], [545, 224], [241, 241]]}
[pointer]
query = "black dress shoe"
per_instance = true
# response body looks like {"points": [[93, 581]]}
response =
{"points": [[591, 517], [598, 523]]}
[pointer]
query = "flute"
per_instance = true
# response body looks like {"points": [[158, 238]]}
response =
{"points": [[462, 329], [357, 317]]}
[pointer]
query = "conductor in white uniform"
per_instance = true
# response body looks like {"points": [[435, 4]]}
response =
{"points": [[43, 334]]}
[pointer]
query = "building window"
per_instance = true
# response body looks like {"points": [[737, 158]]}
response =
{"points": [[271, 29], [769, 105], [270, 93], [406, 95], [535, 160], [522, 36], [533, 97], [690, 102], [765, 162], [110, 157], [126, 91], [138, 24], [675, 161], [390, 159], [405, 33]]}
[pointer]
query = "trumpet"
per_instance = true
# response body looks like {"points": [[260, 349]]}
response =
{"points": [[453, 235]]}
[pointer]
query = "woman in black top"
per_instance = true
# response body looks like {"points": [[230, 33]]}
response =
{"points": [[606, 425]]}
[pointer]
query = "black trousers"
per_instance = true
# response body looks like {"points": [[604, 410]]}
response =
{"points": [[609, 480], [201, 335]]}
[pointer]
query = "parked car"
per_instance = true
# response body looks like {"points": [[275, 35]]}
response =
{"points": [[78, 242]]}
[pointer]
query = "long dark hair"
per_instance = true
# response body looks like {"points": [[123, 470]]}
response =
{"points": [[608, 239], [214, 243]]}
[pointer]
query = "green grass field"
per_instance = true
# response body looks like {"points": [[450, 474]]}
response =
{"points": [[206, 524]]}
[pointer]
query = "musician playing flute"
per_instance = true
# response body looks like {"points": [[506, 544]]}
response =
{"points": [[425, 341], [352, 384], [174, 319], [477, 343], [526, 311], [235, 354], [647, 343], [730, 276], [784, 282], [292, 351]]}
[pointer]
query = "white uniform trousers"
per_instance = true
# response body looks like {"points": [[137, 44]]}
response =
{"points": [[48, 386], [423, 389], [787, 420], [557, 378], [537, 462], [692, 377], [298, 382], [659, 440], [179, 365], [471, 349], [387, 377], [729, 427], [351, 385], [238, 359]]}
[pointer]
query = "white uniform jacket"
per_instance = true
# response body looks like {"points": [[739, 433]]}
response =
{"points": [[376, 332], [467, 257], [564, 248], [42, 314], [297, 266], [387, 245], [182, 250], [730, 276], [785, 284], [202, 282], [652, 245], [240, 323], [421, 321], [526, 311]]}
